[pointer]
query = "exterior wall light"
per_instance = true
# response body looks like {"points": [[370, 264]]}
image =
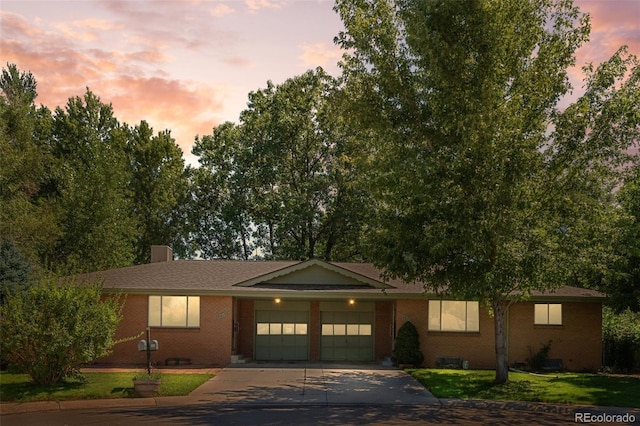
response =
{"points": [[277, 300], [352, 302]]}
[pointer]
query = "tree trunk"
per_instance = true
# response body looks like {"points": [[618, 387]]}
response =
{"points": [[502, 370]]}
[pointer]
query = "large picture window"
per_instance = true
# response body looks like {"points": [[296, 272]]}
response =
{"points": [[548, 314], [453, 315], [174, 311]]}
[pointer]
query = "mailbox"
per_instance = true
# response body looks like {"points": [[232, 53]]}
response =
{"points": [[142, 345]]}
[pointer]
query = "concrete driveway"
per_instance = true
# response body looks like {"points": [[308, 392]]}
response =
{"points": [[313, 384]]}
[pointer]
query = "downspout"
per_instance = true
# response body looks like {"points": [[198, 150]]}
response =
{"points": [[393, 326], [234, 325], [506, 331]]}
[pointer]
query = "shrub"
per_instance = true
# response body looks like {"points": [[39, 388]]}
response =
{"points": [[538, 360], [621, 338], [407, 346], [50, 329]]}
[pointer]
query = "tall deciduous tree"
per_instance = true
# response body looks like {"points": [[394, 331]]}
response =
{"points": [[98, 226], [158, 189], [484, 189], [28, 213], [623, 285], [287, 172]]}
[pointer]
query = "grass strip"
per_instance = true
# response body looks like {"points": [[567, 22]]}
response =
{"points": [[567, 388], [19, 388]]}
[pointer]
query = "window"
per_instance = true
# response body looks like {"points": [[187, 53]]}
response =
{"points": [[346, 329], [548, 314], [453, 315], [278, 328], [174, 311]]}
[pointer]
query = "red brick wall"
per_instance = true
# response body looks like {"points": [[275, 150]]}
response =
{"points": [[208, 345], [383, 332], [578, 341], [477, 348]]}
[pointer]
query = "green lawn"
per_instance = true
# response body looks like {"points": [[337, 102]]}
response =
{"points": [[18, 387], [571, 388]]}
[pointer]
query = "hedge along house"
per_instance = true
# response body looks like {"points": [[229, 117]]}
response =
{"points": [[213, 312]]}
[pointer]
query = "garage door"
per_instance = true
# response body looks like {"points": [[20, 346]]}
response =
{"points": [[282, 335], [346, 336]]}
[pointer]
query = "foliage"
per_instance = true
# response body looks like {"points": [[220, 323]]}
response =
{"points": [[97, 223], [29, 217], [566, 388], [19, 388], [484, 189], [79, 191], [15, 271], [53, 327], [537, 360], [283, 182], [158, 189], [406, 349], [621, 339], [622, 285]]}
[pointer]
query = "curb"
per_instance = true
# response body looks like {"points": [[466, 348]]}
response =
{"points": [[30, 407], [540, 407]]}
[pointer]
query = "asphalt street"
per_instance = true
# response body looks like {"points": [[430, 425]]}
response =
{"points": [[299, 415]]}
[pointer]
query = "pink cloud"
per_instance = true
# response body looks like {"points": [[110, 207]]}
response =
{"points": [[158, 19], [238, 62], [63, 68], [320, 54], [614, 23], [221, 10], [185, 109], [255, 5]]}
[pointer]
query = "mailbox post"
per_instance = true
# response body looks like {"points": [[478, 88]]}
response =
{"points": [[148, 346]]}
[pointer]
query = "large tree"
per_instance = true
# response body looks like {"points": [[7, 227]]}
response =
{"points": [[623, 283], [29, 218], [98, 228], [485, 190], [284, 179], [158, 189]]}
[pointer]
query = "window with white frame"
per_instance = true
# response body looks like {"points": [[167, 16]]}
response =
{"points": [[454, 315], [547, 314], [174, 311]]}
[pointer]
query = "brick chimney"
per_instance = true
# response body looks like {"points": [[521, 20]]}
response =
{"points": [[161, 254]]}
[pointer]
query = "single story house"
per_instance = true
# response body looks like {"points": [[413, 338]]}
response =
{"points": [[213, 312]]}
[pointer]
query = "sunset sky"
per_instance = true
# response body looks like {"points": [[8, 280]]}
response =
{"points": [[188, 65]]}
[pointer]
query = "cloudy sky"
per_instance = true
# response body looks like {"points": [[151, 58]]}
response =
{"points": [[188, 65]]}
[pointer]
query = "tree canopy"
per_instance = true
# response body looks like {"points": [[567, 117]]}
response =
{"points": [[282, 183], [81, 191], [485, 189]]}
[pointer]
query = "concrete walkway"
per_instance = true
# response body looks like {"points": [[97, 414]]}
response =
{"points": [[313, 384]]}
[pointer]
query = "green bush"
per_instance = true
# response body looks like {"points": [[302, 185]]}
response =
{"points": [[621, 339], [538, 360], [407, 346], [50, 329]]}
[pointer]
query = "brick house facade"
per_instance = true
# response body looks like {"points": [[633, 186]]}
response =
{"points": [[208, 311]]}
